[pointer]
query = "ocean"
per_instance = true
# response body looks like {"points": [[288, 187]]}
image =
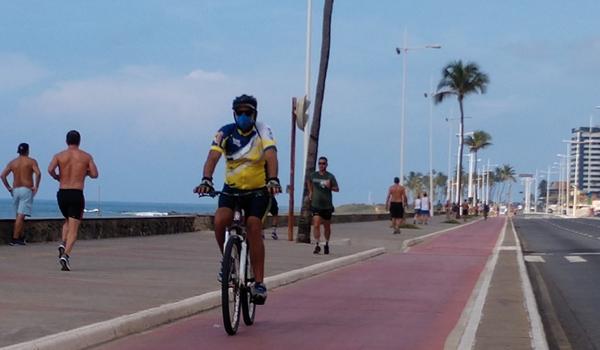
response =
{"points": [[46, 208]]}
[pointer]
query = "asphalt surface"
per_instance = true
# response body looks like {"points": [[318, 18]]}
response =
{"points": [[563, 257]]}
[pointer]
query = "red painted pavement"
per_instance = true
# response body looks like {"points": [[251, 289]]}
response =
{"points": [[397, 301]]}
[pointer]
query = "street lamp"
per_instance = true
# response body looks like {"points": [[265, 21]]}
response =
{"points": [[307, 62], [567, 170], [404, 50]]}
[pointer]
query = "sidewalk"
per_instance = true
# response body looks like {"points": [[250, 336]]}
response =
{"points": [[114, 277]]}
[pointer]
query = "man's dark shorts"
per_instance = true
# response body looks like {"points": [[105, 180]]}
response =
{"points": [[324, 214], [253, 204], [71, 203], [396, 210], [274, 208]]}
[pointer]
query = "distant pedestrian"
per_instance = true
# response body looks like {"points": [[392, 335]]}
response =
{"points": [[274, 211], [455, 210], [395, 203], [486, 211], [416, 208], [425, 211], [23, 189], [465, 210], [321, 184], [73, 165], [448, 209]]}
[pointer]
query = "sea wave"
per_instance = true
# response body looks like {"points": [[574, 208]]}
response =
{"points": [[144, 213]]}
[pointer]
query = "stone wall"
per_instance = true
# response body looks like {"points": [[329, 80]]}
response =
{"points": [[48, 230]]}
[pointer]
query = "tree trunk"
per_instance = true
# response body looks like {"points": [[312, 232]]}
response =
{"points": [[304, 223], [460, 154]]}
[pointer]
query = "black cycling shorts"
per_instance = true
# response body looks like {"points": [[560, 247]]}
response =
{"points": [[253, 205], [324, 214], [71, 203]]}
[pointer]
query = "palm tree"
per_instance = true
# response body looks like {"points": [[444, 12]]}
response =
{"points": [[508, 173], [478, 141], [460, 80], [414, 182], [440, 181], [313, 145]]}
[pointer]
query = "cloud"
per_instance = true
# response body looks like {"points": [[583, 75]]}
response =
{"points": [[148, 98], [18, 71]]}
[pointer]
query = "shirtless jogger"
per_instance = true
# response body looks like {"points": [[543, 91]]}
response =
{"points": [[73, 166], [395, 203], [23, 188]]}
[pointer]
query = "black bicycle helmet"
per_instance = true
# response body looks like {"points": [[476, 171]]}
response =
{"points": [[246, 101]]}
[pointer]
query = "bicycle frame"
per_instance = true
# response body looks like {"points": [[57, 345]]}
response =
{"points": [[237, 226]]}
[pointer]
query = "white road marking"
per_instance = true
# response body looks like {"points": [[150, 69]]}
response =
{"points": [[538, 336], [473, 312], [511, 247], [534, 258], [575, 258]]}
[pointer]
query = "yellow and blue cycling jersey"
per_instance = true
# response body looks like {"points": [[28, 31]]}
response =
{"points": [[244, 154]]}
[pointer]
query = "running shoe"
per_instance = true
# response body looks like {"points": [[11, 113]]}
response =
{"points": [[326, 249], [14, 242], [317, 250], [259, 293], [61, 250], [274, 235], [64, 263]]}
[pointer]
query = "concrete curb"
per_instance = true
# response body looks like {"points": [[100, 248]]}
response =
{"points": [[407, 244], [98, 333]]}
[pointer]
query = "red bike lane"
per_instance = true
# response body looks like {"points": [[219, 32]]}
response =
{"points": [[410, 300]]}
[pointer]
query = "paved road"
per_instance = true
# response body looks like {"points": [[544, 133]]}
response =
{"points": [[563, 257], [126, 275], [396, 301]]}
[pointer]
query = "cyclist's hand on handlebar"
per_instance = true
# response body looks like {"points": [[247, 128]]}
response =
{"points": [[206, 186], [273, 185]]}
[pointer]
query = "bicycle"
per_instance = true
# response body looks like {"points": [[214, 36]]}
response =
{"points": [[236, 272]]}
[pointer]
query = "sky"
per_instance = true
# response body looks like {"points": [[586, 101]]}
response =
{"points": [[148, 83]]}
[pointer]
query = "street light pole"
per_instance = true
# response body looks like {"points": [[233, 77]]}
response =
{"points": [[307, 79], [404, 50]]}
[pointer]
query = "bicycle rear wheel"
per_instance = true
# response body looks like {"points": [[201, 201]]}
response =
{"points": [[231, 286], [248, 306]]}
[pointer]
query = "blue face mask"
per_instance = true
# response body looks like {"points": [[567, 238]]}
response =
{"points": [[244, 122]]}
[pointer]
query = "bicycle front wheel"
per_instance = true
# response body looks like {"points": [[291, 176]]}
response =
{"points": [[231, 286], [248, 306]]}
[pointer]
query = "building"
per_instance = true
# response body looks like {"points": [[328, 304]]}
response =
{"points": [[585, 159]]}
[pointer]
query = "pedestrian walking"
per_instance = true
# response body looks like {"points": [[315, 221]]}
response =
{"points": [[416, 208], [23, 189], [321, 184], [395, 204], [425, 211]]}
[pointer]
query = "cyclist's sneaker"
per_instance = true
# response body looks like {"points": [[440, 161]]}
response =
{"points": [[274, 235], [317, 249], [12, 242], [220, 274], [61, 250], [259, 293], [64, 263], [326, 249]]}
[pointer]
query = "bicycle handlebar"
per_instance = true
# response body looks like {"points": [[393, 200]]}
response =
{"points": [[213, 194]]}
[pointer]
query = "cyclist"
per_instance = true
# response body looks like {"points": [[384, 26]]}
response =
{"points": [[251, 165]]}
